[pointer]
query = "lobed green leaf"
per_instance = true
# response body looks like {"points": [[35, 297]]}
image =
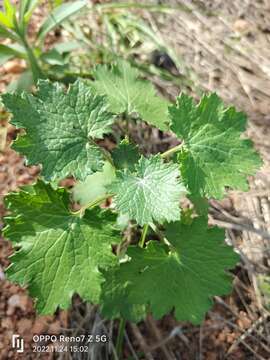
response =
{"points": [[150, 193], [58, 253], [184, 276], [61, 128], [214, 155], [129, 94]]}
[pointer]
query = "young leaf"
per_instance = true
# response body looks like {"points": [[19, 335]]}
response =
{"points": [[53, 57], [184, 277], [7, 17], [26, 9], [214, 156], [60, 14], [6, 33], [23, 83], [8, 52], [94, 186], [151, 193], [61, 128], [59, 253], [66, 47], [126, 155], [127, 93]]}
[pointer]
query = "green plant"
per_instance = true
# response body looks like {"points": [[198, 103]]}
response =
{"points": [[14, 23], [60, 251], [125, 34]]}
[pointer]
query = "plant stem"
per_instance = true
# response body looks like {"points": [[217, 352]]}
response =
{"points": [[172, 150], [91, 204], [35, 68], [136, 5], [160, 234], [143, 236], [120, 337], [32, 60], [105, 152]]}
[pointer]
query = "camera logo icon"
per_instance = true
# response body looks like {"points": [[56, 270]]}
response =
{"points": [[18, 343]]}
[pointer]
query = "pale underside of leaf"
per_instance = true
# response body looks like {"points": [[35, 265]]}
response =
{"points": [[151, 193], [94, 186]]}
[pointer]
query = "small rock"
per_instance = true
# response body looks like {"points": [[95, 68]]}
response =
{"points": [[40, 326], [54, 328], [63, 315], [244, 322], [13, 302], [24, 326], [2, 275], [14, 66], [6, 323], [242, 26], [230, 338], [222, 337], [17, 301]]}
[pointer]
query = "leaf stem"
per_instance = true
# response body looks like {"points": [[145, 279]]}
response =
{"points": [[105, 153], [143, 236], [31, 58], [160, 234], [120, 337], [150, 7], [91, 204], [172, 150]]}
